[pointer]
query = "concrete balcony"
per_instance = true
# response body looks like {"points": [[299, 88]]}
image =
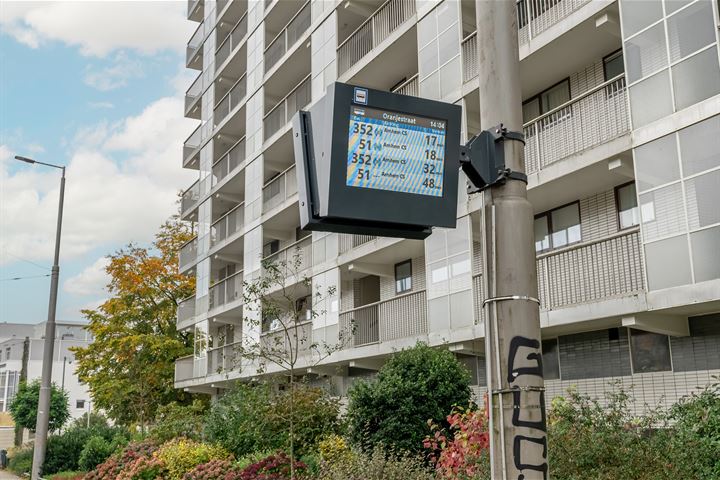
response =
{"points": [[227, 225], [191, 149], [276, 342], [227, 293], [190, 198], [184, 369], [188, 255], [409, 87], [281, 114], [193, 52], [295, 259], [373, 31], [348, 242], [279, 189], [230, 100], [192, 99], [399, 317], [195, 10], [228, 162], [186, 313], [231, 42], [224, 358], [288, 36]]}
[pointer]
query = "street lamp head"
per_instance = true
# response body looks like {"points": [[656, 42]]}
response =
{"points": [[24, 159]]}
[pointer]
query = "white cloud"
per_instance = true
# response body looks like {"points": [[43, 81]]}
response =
{"points": [[114, 76], [101, 105], [91, 281], [99, 28], [108, 202]]}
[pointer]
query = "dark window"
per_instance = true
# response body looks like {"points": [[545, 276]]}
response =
{"points": [[546, 100], [403, 277], [79, 403], [271, 247], [650, 352], [558, 228], [550, 359], [613, 65], [613, 334], [627, 206]]}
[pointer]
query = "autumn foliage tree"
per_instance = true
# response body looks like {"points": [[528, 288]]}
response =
{"points": [[129, 367]]}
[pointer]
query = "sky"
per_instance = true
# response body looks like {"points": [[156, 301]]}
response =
{"points": [[98, 87]]}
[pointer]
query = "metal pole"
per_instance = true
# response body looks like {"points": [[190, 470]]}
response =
{"points": [[63, 374], [518, 441], [43, 415]]}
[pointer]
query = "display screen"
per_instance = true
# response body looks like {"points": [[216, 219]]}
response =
{"points": [[395, 151]]}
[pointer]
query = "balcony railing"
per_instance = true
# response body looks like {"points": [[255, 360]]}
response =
{"points": [[591, 271], [593, 118], [229, 161], [276, 342], [188, 253], [348, 242], [469, 57], [231, 42], [195, 44], [227, 225], [298, 24], [184, 368], [186, 310], [224, 358], [378, 27], [478, 298], [399, 317], [295, 259], [226, 291], [409, 87], [536, 16], [230, 100], [282, 113], [279, 189], [193, 93], [190, 197], [192, 145]]}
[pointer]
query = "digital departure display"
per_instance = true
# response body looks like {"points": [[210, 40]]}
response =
{"points": [[395, 151]]}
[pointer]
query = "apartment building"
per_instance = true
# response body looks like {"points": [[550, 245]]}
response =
{"points": [[622, 124]]}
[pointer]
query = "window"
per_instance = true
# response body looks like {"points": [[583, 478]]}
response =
{"points": [[79, 404], [546, 100], [613, 65], [558, 228], [271, 247], [7, 353], [403, 277], [650, 352], [627, 206], [550, 359]]}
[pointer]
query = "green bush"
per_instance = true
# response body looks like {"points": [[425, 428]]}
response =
{"points": [[64, 450], [67, 476], [182, 455], [95, 452], [20, 460], [414, 386], [376, 465], [175, 421]]}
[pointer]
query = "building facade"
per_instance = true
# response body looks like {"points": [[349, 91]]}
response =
{"points": [[622, 121]]}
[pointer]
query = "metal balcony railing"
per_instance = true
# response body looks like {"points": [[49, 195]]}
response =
{"points": [[479, 296], [193, 94], [348, 241], [227, 225], [224, 358], [409, 87], [229, 161], [186, 310], [288, 36], [230, 100], [231, 41], [378, 27], [296, 258], [192, 144], [595, 117], [282, 113], [190, 197], [590, 271], [279, 189], [468, 48], [225, 291], [195, 44], [188, 253], [399, 317], [536, 16], [184, 368]]}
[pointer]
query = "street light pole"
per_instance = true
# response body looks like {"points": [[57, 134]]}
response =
{"points": [[43, 414]]}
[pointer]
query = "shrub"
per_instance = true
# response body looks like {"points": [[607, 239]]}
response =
{"points": [[20, 460], [143, 468], [181, 456], [274, 467], [415, 385], [377, 465], [64, 450], [462, 451], [334, 450], [251, 458], [95, 452], [67, 476], [175, 421], [212, 470], [112, 467]]}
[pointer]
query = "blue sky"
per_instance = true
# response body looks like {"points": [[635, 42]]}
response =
{"points": [[97, 87]]}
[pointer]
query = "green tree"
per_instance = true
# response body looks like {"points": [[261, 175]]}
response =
{"points": [[24, 406], [414, 386], [129, 367]]}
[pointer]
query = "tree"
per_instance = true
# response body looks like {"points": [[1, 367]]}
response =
{"points": [[282, 303], [129, 367], [23, 408], [414, 386]]}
